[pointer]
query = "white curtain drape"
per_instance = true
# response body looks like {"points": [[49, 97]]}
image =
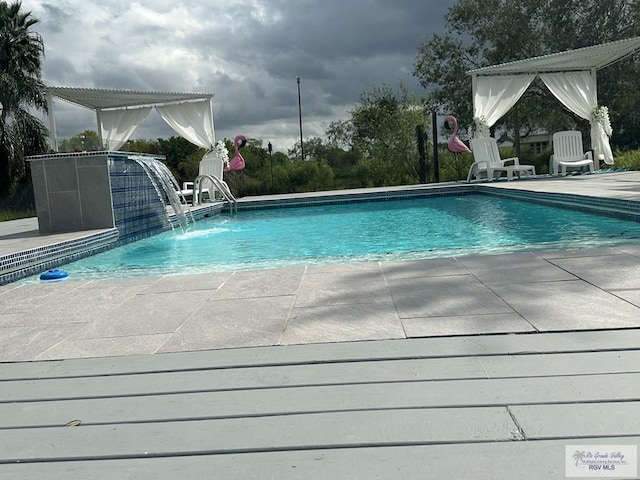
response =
{"points": [[119, 124], [578, 92], [493, 96], [191, 120]]}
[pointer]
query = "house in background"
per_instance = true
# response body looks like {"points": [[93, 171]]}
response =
{"points": [[537, 142]]}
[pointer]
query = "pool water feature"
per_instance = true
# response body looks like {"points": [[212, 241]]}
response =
{"points": [[359, 232], [166, 184]]}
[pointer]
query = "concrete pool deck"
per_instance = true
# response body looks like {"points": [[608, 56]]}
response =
{"points": [[469, 367], [515, 293]]}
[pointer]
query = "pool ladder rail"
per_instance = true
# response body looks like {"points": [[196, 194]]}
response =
{"points": [[220, 185]]}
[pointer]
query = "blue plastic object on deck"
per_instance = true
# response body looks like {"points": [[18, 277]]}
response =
{"points": [[54, 274]]}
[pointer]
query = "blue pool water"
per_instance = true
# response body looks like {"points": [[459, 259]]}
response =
{"points": [[374, 231]]}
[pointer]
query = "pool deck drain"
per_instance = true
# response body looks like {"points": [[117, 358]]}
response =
{"points": [[392, 369]]}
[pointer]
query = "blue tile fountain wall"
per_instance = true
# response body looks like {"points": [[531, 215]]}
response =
{"points": [[93, 192], [137, 209]]}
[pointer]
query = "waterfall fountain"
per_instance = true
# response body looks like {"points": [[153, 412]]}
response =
{"points": [[115, 197], [131, 192], [167, 187]]}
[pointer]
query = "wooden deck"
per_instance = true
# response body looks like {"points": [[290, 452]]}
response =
{"points": [[472, 407]]}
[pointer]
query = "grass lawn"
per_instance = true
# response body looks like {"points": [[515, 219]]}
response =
{"points": [[16, 214]]}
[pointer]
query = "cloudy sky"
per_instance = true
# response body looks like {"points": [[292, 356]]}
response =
{"points": [[247, 52]]}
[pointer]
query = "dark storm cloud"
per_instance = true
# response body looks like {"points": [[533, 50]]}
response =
{"points": [[339, 49], [330, 30], [54, 18], [247, 52]]}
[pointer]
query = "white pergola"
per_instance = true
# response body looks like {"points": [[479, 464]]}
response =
{"points": [[570, 76], [119, 112]]}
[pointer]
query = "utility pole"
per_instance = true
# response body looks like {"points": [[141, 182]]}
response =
{"points": [[270, 149], [300, 117]]}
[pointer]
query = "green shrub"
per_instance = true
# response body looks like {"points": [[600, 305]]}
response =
{"points": [[629, 159], [453, 167], [6, 215], [539, 160]]}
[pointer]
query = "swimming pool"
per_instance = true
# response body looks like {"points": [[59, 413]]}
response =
{"points": [[359, 232]]}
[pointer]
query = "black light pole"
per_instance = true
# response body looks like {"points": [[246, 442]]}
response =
{"points": [[300, 117], [436, 160], [422, 153], [270, 148]]}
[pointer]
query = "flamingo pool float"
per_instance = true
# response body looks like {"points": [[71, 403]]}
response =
{"points": [[455, 145], [237, 162]]}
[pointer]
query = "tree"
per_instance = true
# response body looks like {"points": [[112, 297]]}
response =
{"points": [[142, 146], [441, 67], [21, 88], [340, 134], [578, 23], [383, 129], [314, 148], [182, 157], [488, 32], [86, 140]]}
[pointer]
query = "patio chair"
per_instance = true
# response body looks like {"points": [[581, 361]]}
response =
{"points": [[209, 165], [568, 153], [488, 164]]}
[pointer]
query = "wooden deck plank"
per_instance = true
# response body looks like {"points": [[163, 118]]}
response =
{"points": [[284, 401], [324, 374], [291, 432], [587, 363], [532, 460], [423, 407], [577, 420], [334, 352], [243, 378]]}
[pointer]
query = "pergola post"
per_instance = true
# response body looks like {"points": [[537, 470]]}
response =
{"points": [[99, 121], [213, 129], [53, 135]]}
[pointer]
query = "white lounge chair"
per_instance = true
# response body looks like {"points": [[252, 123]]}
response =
{"points": [[209, 165], [488, 164], [568, 153]]}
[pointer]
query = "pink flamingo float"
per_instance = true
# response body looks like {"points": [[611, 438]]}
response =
{"points": [[455, 145], [237, 162]]}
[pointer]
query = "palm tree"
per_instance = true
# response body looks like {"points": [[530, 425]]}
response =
{"points": [[579, 456], [21, 89]]}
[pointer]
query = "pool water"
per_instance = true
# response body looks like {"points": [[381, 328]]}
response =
{"points": [[372, 231]]}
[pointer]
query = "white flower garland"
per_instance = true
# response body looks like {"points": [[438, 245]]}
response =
{"points": [[222, 153], [480, 127], [600, 115]]}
